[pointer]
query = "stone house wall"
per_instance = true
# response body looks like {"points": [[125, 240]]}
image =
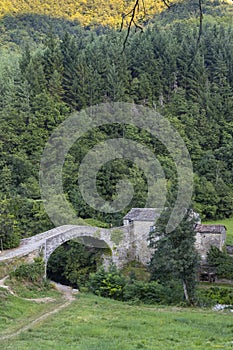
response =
{"points": [[211, 236], [141, 230]]}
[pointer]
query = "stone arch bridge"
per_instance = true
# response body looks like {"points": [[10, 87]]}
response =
{"points": [[123, 244]]}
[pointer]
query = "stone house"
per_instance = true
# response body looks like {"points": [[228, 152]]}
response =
{"points": [[141, 221], [209, 235]]}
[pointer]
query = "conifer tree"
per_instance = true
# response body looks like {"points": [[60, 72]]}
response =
{"points": [[175, 257]]}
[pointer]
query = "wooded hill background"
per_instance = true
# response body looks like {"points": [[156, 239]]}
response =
{"points": [[51, 65], [87, 12]]}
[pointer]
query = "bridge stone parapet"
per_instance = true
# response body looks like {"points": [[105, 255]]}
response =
{"points": [[88, 235], [119, 240]]}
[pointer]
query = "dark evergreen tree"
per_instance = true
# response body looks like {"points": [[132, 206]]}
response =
{"points": [[175, 257], [9, 231]]}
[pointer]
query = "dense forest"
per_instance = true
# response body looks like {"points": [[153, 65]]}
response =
{"points": [[88, 13], [50, 67]]}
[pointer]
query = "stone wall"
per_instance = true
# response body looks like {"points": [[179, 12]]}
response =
{"points": [[142, 252], [204, 241]]}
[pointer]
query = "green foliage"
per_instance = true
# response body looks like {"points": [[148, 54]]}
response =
{"points": [[89, 13], [97, 223], [214, 295], [32, 290], [153, 293], [148, 293], [175, 257], [33, 272], [72, 263], [222, 261], [9, 230], [134, 270], [107, 284], [112, 283], [51, 67]]}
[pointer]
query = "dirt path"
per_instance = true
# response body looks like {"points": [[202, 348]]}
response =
{"points": [[68, 295], [2, 285]]}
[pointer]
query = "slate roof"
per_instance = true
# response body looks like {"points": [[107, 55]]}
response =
{"points": [[143, 214], [210, 228]]}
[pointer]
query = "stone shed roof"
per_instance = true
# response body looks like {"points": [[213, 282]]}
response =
{"points": [[210, 228], [143, 214]]}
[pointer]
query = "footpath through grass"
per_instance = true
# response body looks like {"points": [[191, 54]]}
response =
{"points": [[93, 323], [16, 312]]}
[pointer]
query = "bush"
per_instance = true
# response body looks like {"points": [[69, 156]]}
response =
{"points": [[153, 293], [108, 284], [148, 293], [217, 295], [174, 293], [222, 262], [33, 272], [113, 284]]}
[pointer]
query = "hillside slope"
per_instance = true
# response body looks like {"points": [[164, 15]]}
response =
{"points": [[30, 22], [103, 324], [86, 11], [100, 12]]}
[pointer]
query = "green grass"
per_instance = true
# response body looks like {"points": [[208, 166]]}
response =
{"points": [[97, 223], [16, 312], [93, 323], [30, 290], [229, 225]]}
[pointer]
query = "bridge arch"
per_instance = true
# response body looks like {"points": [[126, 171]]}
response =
{"points": [[118, 240], [87, 235]]}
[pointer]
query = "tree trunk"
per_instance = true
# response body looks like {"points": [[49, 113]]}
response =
{"points": [[185, 290]]}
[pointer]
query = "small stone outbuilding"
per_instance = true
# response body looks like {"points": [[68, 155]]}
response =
{"points": [[141, 222], [142, 219], [209, 235]]}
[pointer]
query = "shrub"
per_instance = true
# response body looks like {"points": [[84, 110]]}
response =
{"points": [[149, 293], [222, 261], [134, 270], [33, 272], [113, 284], [220, 295], [108, 284], [153, 293], [174, 293]]}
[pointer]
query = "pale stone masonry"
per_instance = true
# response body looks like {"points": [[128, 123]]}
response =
{"points": [[126, 243], [209, 235], [142, 221]]}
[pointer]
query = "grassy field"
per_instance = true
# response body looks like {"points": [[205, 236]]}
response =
{"points": [[15, 312], [93, 323], [229, 225]]}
